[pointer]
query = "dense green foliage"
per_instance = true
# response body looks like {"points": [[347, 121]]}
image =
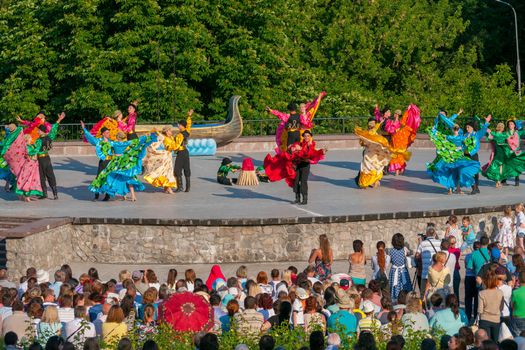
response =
{"points": [[90, 57]]}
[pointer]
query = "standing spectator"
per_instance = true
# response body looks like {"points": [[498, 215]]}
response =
{"points": [[468, 234], [79, 329], [190, 277], [357, 261], [438, 277], [456, 276], [17, 322], [448, 319], [249, 321], [480, 257], [276, 279], [507, 296], [520, 225], [517, 265], [399, 277], [425, 250], [322, 258], [471, 290], [490, 306], [518, 306], [450, 261], [453, 229], [380, 262], [506, 234], [49, 326], [114, 328]]}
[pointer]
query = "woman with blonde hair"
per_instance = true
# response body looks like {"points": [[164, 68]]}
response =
{"points": [[414, 319], [322, 259], [439, 276], [158, 163], [49, 325], [114, 328]]}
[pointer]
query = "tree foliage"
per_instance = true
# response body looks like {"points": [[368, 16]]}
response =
{"points": [[91, 57]]}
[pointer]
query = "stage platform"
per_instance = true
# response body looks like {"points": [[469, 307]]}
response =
{"points": [[333, 193]]}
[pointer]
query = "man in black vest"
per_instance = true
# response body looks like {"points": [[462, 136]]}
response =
{"points": [[182, 161], [293, 125]]}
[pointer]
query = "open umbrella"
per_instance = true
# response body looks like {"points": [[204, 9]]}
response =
{"points": [[187, 312]]}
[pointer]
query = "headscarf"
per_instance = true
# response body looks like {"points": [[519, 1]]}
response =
{"points": [[215, 276]]}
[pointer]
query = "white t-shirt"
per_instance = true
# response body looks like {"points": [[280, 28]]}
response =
{"points": [[427, 249], [507, 295], [451, 264], [520, 219], [297, 310]]}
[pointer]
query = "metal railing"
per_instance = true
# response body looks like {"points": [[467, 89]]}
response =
{"points": [[265, 127]]}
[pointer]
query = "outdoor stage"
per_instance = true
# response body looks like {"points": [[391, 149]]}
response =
{"points": [[333, 192]]}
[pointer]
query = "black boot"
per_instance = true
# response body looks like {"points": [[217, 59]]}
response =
{"points": [[187, 184], [517, 181], [297, 198], [504, 183], [106, 198], [55, 193], [305, 199], [179, 184], [44, 194], [96, 197], [475, 189]]}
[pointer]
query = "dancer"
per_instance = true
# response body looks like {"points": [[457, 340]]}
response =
{"points": [[294, 166], [469, 141], [494, 169], [104, 150], [514, 157], [224, 170], [376, 155], [5, 172], [41, 147], [158, 164], [109, 123], [120, 176], [22, 164], [127, 125], [31, 127], [403, 135], [247, 176], [182, 161], [292, 124]]}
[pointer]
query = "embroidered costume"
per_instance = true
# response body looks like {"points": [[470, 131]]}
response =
{"points": [[42, 146], [402, 136], [31, 127], [224, 170], [182, 161], [104, 151], [158, 163]]}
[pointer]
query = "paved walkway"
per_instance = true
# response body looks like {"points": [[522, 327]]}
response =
{"points": [[332, 192]]}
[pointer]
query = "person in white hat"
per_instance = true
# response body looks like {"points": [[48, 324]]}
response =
{"points": [[298, 307], [369, 323], [42, 276]]}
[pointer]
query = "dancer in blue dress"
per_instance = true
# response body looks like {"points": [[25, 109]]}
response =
{"points": [[455, 165], [120, 176], [399, 277]]}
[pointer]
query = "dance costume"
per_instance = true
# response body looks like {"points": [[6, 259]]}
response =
{"points": [[5, 172], [451, 168], [123, 168], [182, 161], [376, 156], [294, 167], [109, 123], [128, 126], [403, 135], [104, 151], [158, 164], [41, 147], [290, 130], [22, 164], [224, 170]]}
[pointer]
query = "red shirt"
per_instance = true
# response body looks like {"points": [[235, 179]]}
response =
{"points": [[457, 253]]}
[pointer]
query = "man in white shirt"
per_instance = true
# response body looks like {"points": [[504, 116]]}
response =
{"points": [[429, 246], [79, 329], [450, 262]]}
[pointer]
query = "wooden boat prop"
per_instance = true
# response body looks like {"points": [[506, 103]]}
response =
{"points": [[222, 133]]}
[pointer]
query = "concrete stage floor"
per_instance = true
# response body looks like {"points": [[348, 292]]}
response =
{"points": [[332, 192]]}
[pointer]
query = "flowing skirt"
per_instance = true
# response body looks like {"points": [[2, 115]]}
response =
{"points": [[158, 168], [449, 175], [376, 156]]}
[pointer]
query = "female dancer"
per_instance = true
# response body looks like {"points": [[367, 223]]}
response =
{"points": [[23, 165], [127, 125], [402, 137], [294, 166], [120, 176], [292, 124], [31, 127], [493, 170], [158, 164]]}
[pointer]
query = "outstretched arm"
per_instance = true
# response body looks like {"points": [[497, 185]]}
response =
{"points": [[281, 115]]}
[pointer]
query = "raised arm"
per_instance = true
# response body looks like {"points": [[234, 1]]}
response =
{"points": [[188, 121], [281, 115]]}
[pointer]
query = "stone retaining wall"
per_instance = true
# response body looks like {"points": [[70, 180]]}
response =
{"points": [[218, 242]]}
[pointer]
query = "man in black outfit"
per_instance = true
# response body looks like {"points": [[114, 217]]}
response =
{"points": [[182, 161], [293, 125]]}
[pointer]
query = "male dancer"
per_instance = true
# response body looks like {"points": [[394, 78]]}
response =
{"points": [[43, 145], [182, 161], [104, 150]]}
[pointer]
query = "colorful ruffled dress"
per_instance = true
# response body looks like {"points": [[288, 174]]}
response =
{"points": [[283, 165], [376, 156], [451, 166], [494, 169], [158, 163], [123, 170], [402, 137], [31, 127], [22, 164], [108, 123], [281, 134]]}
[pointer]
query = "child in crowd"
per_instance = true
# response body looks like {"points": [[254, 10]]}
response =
{"points": [[520, 225], [506, 231], [468, 234]]}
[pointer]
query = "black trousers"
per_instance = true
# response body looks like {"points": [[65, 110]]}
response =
{"points": [[46, 172], [471, 297], [182, 163], [132, 136], [301, 179], [476, 177], [492, 329], [223, 180], [102, 164], [293, 137]]}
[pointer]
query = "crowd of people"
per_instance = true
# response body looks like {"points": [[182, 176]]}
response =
{"points": [[331, 308]]}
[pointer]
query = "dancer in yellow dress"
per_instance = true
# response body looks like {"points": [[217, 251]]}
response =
{"points": [[376, 155], [158, 164]]}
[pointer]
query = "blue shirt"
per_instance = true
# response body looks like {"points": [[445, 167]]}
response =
{"points": [[94, 311], [343, 320], [447, 321]]}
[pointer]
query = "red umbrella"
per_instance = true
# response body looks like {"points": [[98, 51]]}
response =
{"points": [[187, 312]]}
